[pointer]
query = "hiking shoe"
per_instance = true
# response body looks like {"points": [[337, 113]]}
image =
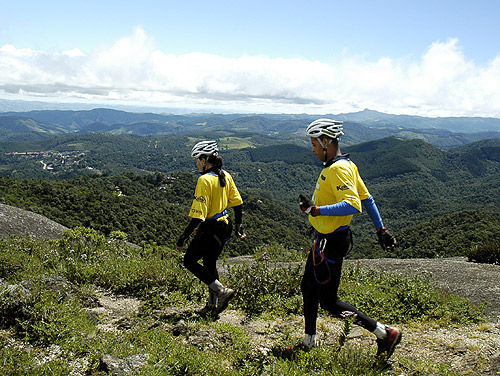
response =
{"points": [[223, 299], [212, 298], [388, 344]]}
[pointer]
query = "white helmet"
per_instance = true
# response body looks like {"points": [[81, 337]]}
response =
{"points": [[325, 127], [204, 148]]}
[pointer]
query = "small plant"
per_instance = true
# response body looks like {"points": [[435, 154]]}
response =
{"points": [[118, 236], [349, 318], [78, 241], [394, 298]]}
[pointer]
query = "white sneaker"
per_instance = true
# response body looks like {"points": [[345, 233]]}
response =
{"points": [[310, 341], [223, 298]]}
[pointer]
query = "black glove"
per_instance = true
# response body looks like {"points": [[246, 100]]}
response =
{"points": [[180, 242], [385, 238], [305, 204], [238, 229]]}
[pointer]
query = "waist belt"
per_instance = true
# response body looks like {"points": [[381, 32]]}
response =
{"points": [[216, 216]]}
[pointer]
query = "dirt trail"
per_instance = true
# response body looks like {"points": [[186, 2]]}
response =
{"points": [[477, 282], [469, 350]]}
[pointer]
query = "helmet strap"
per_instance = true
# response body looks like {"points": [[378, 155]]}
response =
{"points": [[325, 147], [202, 164]]}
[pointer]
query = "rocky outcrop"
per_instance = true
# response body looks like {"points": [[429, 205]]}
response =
{"points": [[123, 366], [15, 221]]}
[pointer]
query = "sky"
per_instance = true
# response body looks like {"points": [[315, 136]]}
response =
{"points": [[428, 58]]}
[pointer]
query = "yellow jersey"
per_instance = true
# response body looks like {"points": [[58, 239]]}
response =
{"points": [[210, 199], [338, 182]]}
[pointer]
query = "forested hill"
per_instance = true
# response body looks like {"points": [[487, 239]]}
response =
{"points": [[148, 208], [412, 182], [407, 175]]}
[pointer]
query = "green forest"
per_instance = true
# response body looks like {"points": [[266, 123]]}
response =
{"points": [[143, 186]]}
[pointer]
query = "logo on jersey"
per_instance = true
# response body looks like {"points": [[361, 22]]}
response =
{"points": [[344, 187], [201, 199]]}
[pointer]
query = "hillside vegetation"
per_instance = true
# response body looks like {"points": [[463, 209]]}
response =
{"points": [[53, 318], [455, 234]]}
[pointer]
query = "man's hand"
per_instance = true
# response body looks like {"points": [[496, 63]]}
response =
{"points": [[240, 233], [180, 242], [307, 206], [385, 238]]}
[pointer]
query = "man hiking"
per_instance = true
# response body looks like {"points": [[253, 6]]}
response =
{"points": [[339, 194], [215, 191]]}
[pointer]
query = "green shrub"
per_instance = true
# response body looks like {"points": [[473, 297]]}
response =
{"points": [[276, 252], [118, 235], [266, 287], [488, 253], [263, 286], [76, 243], [11, 262], [21, 257], [347, 361]]}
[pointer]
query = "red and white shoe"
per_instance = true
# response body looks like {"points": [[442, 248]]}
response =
{"points": [[389, 343]]}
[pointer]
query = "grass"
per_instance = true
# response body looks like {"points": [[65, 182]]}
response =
{"points": [[43, 318], [235, 143]]}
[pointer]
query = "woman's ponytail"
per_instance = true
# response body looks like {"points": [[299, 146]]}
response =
{"points": [[216, 162]]}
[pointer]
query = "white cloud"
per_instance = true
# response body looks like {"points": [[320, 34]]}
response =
{"points": [[441, 82], [75, 52]]}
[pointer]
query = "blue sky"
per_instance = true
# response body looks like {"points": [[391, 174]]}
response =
{"points": [[422, 57]]}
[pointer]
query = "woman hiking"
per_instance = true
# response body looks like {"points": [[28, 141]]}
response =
{"points": [[215, 191], [339, 194]]}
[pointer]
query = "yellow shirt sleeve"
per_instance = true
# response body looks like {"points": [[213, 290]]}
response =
{"points": [[362, 190], [199, 208], [234, 197], [345, 186]]}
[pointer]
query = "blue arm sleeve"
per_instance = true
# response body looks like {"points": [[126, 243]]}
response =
{"points": [[341, 208], [372, 210]]}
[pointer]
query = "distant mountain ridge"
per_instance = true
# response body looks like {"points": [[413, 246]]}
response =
{"points": [[453, 124], [366, 117], [359, 127]]}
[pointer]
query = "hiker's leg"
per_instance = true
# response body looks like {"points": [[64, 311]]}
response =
{"points": [[201, 246], [310, 297], [335, 249]]}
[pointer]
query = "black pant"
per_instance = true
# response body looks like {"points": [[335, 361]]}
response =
{"points": [[314, 292], [207, 244]]}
